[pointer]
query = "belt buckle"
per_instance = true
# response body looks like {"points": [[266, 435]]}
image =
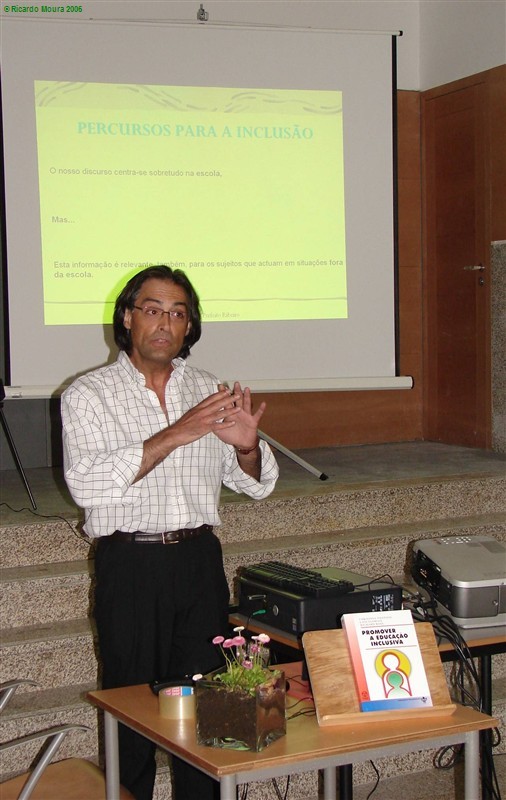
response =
{"points": [[168, 541]]}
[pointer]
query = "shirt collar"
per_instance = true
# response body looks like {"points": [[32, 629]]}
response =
{"points": [[133, 373]]}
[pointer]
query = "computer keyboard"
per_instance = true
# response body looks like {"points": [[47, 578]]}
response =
{"points": [[296, 580]]}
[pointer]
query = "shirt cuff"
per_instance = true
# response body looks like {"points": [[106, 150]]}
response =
{"points": [[125, 467], [240, 481]]}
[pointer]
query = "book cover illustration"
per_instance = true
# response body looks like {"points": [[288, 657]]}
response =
{"points": [[387, 662]]}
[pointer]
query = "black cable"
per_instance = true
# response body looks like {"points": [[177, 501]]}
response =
{"points": [[304, 712], [373, 765], [277, 789], [448, 757], [386, 578], [46, 516], [446, 628]]}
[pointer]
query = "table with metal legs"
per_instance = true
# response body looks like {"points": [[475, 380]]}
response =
{"points": [[306, 746]]}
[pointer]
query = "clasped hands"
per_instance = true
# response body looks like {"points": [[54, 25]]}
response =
{"points": [[228, 413]]}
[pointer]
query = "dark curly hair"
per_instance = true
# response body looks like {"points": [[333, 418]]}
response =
{"points": [[128, 296]]}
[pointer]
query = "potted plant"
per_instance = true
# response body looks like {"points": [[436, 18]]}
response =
{"points": [[242, 705]]}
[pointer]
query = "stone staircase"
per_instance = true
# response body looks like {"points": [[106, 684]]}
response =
{"points": [[47, 635]]}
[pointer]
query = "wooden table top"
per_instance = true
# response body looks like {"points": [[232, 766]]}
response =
{"points": [[305, 739]]}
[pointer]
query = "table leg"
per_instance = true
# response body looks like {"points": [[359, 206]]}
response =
{"points": [[486, 736], [228, 787], [346, 782], [472, 766], [329, 783], [111, 756]]}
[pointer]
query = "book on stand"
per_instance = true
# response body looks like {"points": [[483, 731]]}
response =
{"points": [[387, 662]]}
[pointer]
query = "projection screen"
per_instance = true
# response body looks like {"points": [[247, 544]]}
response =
{"points": [[259, 160]]}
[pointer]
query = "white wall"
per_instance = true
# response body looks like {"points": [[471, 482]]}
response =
{"points": [[442, 40], [339, 14], [460, 38]]}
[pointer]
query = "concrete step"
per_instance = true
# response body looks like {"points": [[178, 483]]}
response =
{"points": [[36, 710], [418, 780], [499, 701], [43, 593], [42, 542], [376, 504], [414, 784], [371, 551], [54, 654], [323, 510], [301, 787]]}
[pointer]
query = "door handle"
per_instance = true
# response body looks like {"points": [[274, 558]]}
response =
{"points": [[474, 268]]}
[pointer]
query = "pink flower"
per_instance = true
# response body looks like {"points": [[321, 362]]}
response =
{"points": [[263, 638], [247, 664], [228, 642], [218, 639], [238, 641]]}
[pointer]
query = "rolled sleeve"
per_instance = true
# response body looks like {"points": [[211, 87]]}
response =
{"points": [[95, 474], [239, 481]]}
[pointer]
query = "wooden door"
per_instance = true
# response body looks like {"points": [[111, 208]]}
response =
{"points": [[456, 264]]}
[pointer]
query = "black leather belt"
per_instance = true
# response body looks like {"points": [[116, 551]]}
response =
{"points": [[167, 537]]}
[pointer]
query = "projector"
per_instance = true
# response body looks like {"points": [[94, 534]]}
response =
{"points": [[467, 577]]}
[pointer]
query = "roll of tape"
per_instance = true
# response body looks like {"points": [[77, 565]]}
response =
{"points": [[177, 702]]}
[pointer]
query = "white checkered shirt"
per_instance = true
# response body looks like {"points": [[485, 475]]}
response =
{"points": [[108, 414]]}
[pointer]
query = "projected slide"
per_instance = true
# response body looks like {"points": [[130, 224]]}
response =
{"points": [[241, 188]]}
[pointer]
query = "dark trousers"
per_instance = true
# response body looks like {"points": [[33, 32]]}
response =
{"points": [[157, 608]]}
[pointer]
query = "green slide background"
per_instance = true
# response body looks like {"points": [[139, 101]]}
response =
{"points": [[239, 187]]}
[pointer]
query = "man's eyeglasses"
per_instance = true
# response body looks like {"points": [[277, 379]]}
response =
{"points": [[175, 314]]}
